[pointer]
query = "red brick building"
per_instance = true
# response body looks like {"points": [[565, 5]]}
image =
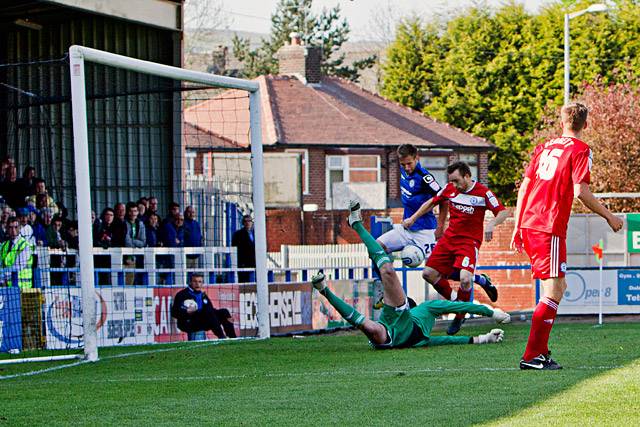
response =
{"points": [[346, 137]]}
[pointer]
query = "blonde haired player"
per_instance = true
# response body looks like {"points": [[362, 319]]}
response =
{"points": [[559, 171]]}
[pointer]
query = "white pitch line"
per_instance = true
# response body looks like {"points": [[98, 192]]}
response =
{"points": [[296, 374], [116, 356]]}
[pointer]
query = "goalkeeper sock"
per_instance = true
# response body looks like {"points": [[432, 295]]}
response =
{"points": [[376, 253], [349, 313]]}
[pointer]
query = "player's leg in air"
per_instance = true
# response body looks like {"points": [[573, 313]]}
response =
{"points": [[397, 326]]}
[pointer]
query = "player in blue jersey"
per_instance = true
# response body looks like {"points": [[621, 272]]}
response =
{"points": [[418, 186]]}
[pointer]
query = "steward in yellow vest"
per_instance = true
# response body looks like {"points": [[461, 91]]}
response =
{"points": [[16, 253]]}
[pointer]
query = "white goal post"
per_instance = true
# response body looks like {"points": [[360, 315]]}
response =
{"points": [[78, 55]]}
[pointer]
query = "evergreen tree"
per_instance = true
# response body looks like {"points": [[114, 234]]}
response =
{"points": [[326, 30]]}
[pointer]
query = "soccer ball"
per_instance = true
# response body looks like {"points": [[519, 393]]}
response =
{"points": [[189, 303], [412, 255]]}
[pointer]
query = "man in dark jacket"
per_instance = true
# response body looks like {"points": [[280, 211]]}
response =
{"points": [[244, 240], [194, 312]]}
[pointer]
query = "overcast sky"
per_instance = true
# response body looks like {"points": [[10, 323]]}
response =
{"points": [[362, 15]]}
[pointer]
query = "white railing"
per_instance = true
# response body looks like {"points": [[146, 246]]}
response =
{"points": [[177, 262]]}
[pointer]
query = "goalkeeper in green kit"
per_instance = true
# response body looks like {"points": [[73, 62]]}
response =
{"points": [[401, 326]]}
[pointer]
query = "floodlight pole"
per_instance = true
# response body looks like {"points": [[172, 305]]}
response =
{"points": [[594, 8]]}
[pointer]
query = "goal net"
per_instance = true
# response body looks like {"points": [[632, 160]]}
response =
{"points": [[142, 175]]}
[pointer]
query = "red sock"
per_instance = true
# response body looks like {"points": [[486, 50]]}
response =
{"points": [[541, 324], [443, 287], [463, 296]]}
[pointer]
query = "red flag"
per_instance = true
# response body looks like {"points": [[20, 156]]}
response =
{"points": [[598, 250]]}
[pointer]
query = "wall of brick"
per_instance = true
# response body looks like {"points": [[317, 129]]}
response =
{"points": [[317, 181], [483, 168]]}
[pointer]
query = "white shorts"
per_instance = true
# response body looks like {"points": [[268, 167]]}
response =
{"points": [[396, 239]]}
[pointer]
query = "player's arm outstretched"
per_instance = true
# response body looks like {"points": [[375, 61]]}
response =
{"points": [[491, 225], [582, 192]]}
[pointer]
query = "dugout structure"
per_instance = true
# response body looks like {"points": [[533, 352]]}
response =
{"points": [[78, 56]]}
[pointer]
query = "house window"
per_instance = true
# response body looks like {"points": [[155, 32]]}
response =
{"points": [[206, 165], [472, 160], [191, 163], [351, 168], [437, 166], [304, 155]]}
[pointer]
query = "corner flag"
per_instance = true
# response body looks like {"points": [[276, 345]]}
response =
{"points": [[598, 251]]}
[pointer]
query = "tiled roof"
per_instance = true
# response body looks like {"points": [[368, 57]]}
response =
{"points": [[335, 112]]}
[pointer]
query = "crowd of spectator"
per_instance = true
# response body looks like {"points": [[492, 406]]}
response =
{"points": [[44, 222]]}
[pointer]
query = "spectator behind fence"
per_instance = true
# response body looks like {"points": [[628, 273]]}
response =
{"points": [[119, 226], [192, 235], [172, 213], [152, 228], [27, 182], [142, 209], [41, 226], [152, 208], [41, 190], [16, 253], [71, 235], [194, 312], [10, 189], [244, 240], [95, 224], [26, 230], [104, 234], [55, 238], [173, 233], [7, 213], [135, 236]]}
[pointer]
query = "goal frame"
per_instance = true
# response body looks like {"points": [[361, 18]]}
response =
{"points": [[78, 55]]}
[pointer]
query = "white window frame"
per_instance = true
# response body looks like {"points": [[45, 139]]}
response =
{"points": [[190, 166], [305, 163], [345, 172], [206, 164]]}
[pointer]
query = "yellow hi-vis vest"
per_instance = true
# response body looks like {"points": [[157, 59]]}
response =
{"points": [[8, 258]]}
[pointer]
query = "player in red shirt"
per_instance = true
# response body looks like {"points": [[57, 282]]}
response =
{"points": [[559, 171], [458, 247]]}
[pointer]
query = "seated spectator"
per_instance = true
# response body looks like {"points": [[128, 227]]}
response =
{"points": [[152, 228], [201, 316], [104, 235], [55, 238], [41, 226], [26, 231], [41, 189]]}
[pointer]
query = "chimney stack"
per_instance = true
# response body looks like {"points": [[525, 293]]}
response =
{"points": [[299, 60]]}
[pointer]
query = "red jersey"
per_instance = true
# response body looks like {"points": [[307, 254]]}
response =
{"points": [[556, 166], [466, 210]]}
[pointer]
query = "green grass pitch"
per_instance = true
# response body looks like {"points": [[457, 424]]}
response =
{"points": [[339, 380]]}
